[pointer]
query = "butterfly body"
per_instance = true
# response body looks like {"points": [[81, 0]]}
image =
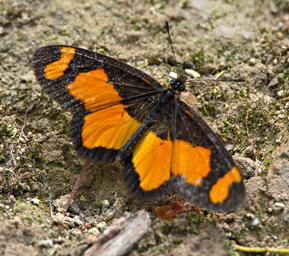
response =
{"points": [[161, 115], [121, 113]]}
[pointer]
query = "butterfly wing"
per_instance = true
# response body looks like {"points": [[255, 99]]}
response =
{"points": [[191, 159], [148, 167], [202, 169], [109, 99]]}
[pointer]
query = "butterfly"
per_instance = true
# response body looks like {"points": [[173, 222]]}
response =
{"points": [[122, 114]]}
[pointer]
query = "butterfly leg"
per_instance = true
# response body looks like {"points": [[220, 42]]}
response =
{"points": [[77, 185]]}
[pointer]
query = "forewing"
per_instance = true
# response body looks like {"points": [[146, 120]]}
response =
{"points": [[109, 99]]}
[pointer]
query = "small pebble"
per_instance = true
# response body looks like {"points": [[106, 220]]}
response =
{"points": [[60, 203], [105, 206], [58, 218], [76, 220], [91, 220], [250, 215], [101, 225], [252, 61], [35, 201], [173, 75], [94, 231], [29, 135], [47, 243], [12, 199], [229, 147], [76, 232], [278, 206], [192, 73], [109, 214], [255, 222]]}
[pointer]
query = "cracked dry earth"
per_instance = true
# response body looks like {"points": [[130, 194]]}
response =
{"points": [[38, 166]]}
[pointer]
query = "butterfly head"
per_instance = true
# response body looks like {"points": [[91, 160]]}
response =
{"points": [[177, 82], [177, 85]]}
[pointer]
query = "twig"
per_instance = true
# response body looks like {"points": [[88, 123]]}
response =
{"points": [[119, 238], [260, 249]]}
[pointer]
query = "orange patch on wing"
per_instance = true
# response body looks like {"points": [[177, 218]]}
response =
{"points": [[56, 69], [152, 161], [220, 190], [110, 128], [192, 163], [93, 89]]}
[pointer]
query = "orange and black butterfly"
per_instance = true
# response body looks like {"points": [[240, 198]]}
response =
{"points": [[121, 113]]}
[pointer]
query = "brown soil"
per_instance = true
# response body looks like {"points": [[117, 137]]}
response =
{"points": [[38, 165]]}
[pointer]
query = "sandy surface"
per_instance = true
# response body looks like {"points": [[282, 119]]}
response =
{"points": [[37, 162]]}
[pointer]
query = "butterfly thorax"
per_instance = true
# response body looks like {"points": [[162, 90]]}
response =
{"points": [[168, 96], [177, 86]]}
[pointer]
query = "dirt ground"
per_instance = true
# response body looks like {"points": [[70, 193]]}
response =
{"points": [[38, 165]]}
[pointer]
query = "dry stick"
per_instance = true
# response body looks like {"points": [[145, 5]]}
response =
{"points": [[76, 185], [121, 236], [260, 249]]}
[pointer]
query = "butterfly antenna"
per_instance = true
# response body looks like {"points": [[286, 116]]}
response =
{"points": [[237, 80], [170, 40]]}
